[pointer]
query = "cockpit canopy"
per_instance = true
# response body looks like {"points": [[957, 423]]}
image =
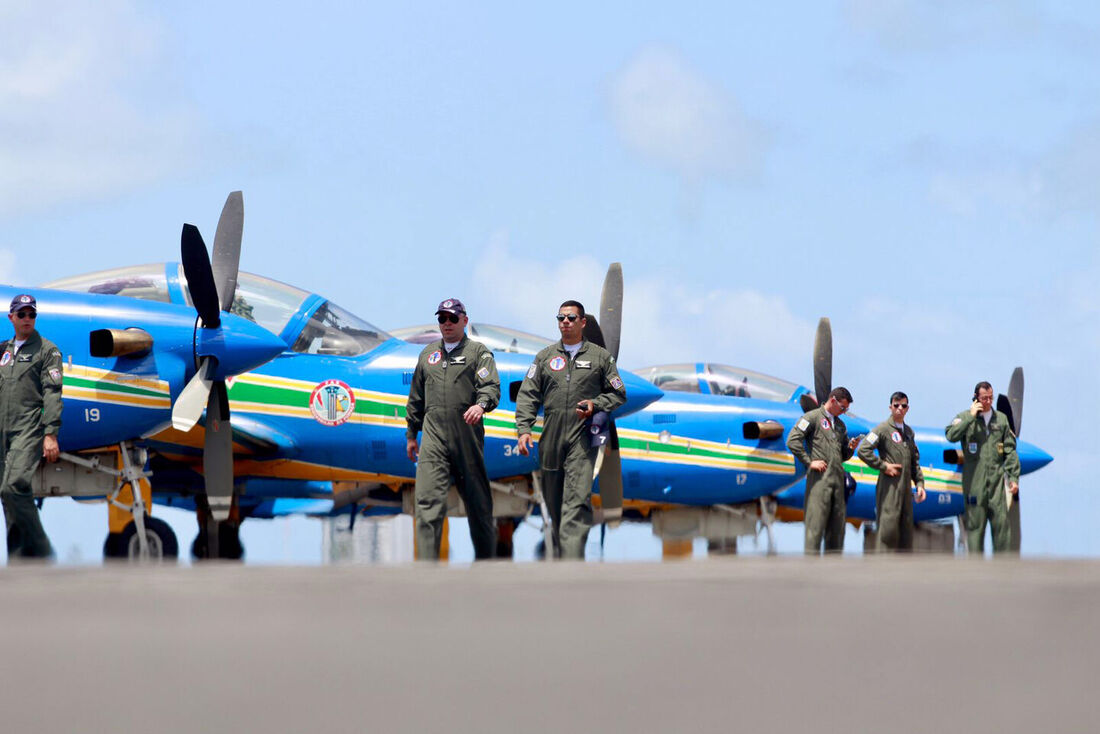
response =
{"points": [[497, 338], [307, 323], [718, 379]]}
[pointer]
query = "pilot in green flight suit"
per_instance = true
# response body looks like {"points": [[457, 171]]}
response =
{"points": [[455, 383], [825, 435], [898, 465], [30, 417], [989, 459], [571, 380]]}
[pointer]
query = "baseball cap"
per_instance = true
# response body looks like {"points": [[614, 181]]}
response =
{"points": [[23, 300], [451, 305]]}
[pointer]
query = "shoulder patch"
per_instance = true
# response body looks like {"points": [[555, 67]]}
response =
{"points": [[616, 383], [611, 360], [532, 370], [483, 372], [487, 354], [803, 424], [957, 421], [55, 375], [872, 438]]}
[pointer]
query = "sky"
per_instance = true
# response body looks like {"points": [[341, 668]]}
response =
{"points": [[922, 173]]}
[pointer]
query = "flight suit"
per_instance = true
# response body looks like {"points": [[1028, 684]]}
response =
{"points": [[566, 458], [30, 408], [444, 386], [893, 495], [989, 457], [826, 505]]}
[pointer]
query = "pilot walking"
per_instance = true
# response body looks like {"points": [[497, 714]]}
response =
{"points": [[571, 380], [820, 441], [30, 418], [990, 467], [455, 383], [898, 465]]}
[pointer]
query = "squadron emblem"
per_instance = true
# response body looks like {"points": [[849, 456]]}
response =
{"points": [[332, 402]]}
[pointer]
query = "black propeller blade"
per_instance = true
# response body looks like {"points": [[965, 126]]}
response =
{"points": [[823, 360], [200, 276]]}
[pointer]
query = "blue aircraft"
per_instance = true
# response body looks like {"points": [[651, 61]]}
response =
{"points": [[130, 368], [320, 429]]}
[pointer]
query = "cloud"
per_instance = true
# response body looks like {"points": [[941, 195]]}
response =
{"points": [[87, 104], [669, 113], [919, 25], [664, 321]]}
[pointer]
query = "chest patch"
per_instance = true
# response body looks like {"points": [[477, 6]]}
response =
{"points": [[459, 360], [5, 360], [896, 437], [973, 447], [434, 357], [583, 364], [557, 364], [825, 423], [24, 358]]}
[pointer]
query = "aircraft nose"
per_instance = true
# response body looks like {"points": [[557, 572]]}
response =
{"points": [[639, 393], [239, 345], [1031, 457]]}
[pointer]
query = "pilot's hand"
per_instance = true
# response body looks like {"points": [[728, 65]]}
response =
{"points": [[975, 408], [473, 414], [1014, 487], [584, 409], [818, 465], [412, 449], [524, 444], [854, 441], [49, 448], [892, 470], [921, 494]]}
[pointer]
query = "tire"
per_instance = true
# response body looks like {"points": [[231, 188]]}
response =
{"points": [[229, 543], [162, 541]]}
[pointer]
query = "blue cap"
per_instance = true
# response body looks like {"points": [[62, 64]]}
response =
{"points": [[451, 305], [23, 300], [599, 428]]}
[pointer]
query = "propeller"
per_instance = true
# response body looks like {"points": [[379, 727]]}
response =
{"points": [[212, 289], [1012, 405], [609, 466], [823, 367]]}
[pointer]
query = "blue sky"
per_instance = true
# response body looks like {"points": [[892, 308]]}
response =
{"points": [[922, 173]]}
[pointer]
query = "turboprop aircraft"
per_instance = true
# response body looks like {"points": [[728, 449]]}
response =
{"points": [[128, 367], [320, 429]]}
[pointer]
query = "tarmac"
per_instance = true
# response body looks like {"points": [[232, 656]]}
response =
{"points": [[914, 644]]}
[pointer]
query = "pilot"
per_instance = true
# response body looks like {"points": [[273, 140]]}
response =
{"points": [[571, 380], [455, 383], [820, 441], [30, 414], [898, 465], [991, 467]]}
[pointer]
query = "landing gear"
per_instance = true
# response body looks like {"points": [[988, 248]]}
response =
{"points": [[159, 538], [217, 540], [506, 526]]}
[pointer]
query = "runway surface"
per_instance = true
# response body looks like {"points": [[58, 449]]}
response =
{"points": [[775, 644]]}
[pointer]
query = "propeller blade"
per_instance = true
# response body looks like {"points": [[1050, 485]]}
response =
{"points": [[1016, 397], [1004, 406], [611, 308], [823, 360], [193, 398], [592, 331], [217, 455], [200, 277], [227, 249]]}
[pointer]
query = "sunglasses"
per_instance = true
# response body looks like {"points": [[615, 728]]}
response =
{"points": [[571, 316], [448, 317], [26, 315], [900, 405]]}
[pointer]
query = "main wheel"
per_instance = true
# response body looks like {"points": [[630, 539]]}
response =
{"points": [[158, 534], [229, 543]]}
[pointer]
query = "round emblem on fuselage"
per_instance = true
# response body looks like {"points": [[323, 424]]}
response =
{"points": [[434, 357], [557, 364], [332, 402]]}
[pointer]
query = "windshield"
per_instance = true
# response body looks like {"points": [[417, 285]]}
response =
{"points": [[496, 338], [720, 379], [146, 282], [334, 331], [264, 301]]}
